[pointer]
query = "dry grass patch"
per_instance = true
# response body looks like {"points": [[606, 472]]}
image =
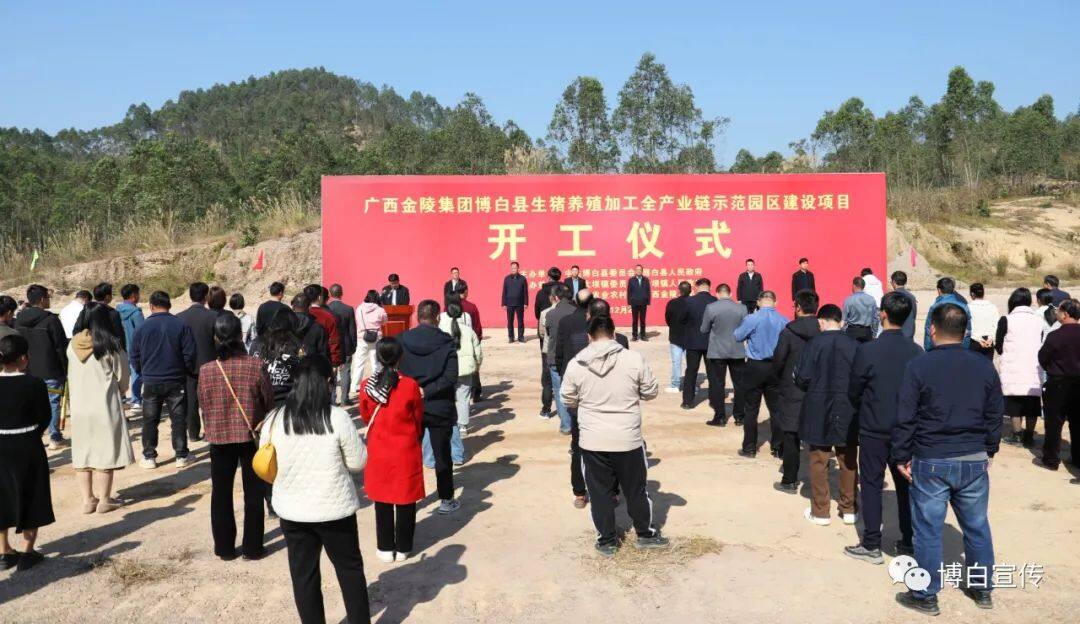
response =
{"points": [[631, 566], [128, 573]]}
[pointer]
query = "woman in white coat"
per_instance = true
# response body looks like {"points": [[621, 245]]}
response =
{"points": [[97, 380], [1019, 336]]}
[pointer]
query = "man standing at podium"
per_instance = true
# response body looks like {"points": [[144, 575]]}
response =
{"points": [[394, 293], [639, 296], [515, 298], [575, 281], [453, 285]]}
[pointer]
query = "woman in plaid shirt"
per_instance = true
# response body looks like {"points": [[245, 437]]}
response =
{"points": [[229, 419]]}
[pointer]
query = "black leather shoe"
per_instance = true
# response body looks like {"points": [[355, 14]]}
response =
{"points": [[1042, 463], [980, 597], [686, 406], [786, 488], [748, 454], [903, 548], [738, 422], [927, 606], [717, 422], [776, 453]]}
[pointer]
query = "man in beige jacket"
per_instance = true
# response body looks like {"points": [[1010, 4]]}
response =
{"points": [[606, 384]]}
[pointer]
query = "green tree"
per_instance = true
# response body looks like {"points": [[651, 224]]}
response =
{"points": [[580, 126]]}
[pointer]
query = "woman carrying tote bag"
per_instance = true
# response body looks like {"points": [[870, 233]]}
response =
{"points": [[235, 394]]}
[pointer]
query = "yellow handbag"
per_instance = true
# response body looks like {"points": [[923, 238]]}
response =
{"points": [[264, 462]]}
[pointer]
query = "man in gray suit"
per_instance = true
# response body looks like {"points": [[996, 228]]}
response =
{"points": [[725, 354]]}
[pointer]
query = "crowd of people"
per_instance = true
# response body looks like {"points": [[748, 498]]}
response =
{"points": [[846, 382]]}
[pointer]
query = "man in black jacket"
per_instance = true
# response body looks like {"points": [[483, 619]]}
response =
{"points": [[543, 298], [749, 287], [103, 294], [827, 418], [269, 308], [515, 298], [675, 315], [575, 281], [345, 315], [697, 341], [431, 359], [1060, 358], [201, 321], [638, 297], [948, 428], [789, 348], [394, 293], [48, 351], [898, 280], [876, 374], [312, 336], [453, 285], [802, 279]]}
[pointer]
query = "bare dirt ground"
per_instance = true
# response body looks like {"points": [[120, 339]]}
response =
{"points": [[519, 552]]}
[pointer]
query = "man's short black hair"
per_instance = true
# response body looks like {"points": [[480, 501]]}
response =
{"points": [[1051, 281], [950, 320], [36, 293], [1071, 308], [638, 266], [767, 294], [554, 274], [428, 311], [723, 288], [599, 307], [601, 327], [977, 291], [336, 291], [685, 288], [236, 301], [161, 300], [897, 307], [313, 292], [801, 260], [515, 263], [198, 291], [562, 291], [574, 266], [452, 269], [7, 305], [750, 260], [859, 283], [127, 291], [84, 294], [393, 277], [946, 285], [830, 312], [301, 302], [584, 298], [1044, 296], [102, 291], [866, 271], [807, 301], [703, 281], [899, 278], [277, 288]]}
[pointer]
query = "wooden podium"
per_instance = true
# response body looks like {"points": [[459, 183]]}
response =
{"points": [[399, 319]]}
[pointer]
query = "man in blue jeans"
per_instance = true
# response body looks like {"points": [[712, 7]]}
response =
{"points": [[948, 429], [48, 352]]}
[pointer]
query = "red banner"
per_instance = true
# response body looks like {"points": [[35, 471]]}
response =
{"points": [[679, 227]]}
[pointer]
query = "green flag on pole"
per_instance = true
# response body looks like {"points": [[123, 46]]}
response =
{"points": [[34, 260]]}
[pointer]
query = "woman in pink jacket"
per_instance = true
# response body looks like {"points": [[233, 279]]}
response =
{"points": [[1019, 336]]}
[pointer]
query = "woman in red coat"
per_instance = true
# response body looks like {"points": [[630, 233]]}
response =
{"points": [[394, 477]]}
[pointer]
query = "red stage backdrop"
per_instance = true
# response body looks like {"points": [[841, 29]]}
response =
{"points": [[679, 227]]}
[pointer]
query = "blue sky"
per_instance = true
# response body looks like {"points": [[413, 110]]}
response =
{"points": [[772, 67]]}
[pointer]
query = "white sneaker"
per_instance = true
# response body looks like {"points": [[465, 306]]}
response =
{"points": [[148, 463], [181, 462], [386, 556], [672, 390], [399, 557], [850, 518], [447, 507], [56, 445], [814, 519]]}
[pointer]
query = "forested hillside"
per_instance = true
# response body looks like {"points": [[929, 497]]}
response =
{"points": [[230, 149]]}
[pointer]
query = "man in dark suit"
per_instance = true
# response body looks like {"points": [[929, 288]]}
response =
{"points": [[639, 296], [697, 341], [269, 308], [453, 285], [750, 286], [394, 293], [201, 321], [802, 279], [345, 315], [543, 298], [515, 298], [575, 281]]}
